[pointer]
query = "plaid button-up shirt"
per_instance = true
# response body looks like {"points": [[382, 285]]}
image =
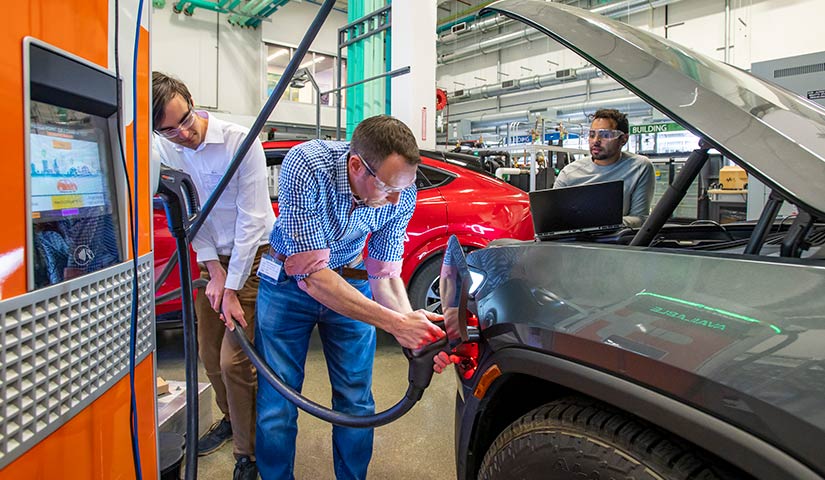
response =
{"points": [[317, 214]]}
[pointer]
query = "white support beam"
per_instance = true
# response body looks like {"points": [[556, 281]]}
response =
{"points": [[413, 94]]}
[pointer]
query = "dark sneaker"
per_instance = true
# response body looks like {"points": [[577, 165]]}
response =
{"points": [[218, 434], [245, 469]]}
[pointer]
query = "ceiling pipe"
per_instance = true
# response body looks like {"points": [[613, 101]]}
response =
{"points": [[572, 113], [631, 114], [534, 82], [502, 118], [482, 25], [629, 7], [461, 17], [580, 109], [511, 39], [527, 34]]}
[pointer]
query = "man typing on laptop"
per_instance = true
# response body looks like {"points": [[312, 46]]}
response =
{"points": [[608, 134], [577, 211]]}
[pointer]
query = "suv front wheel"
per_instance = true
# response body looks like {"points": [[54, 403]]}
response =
{"points": [[577, 437]]}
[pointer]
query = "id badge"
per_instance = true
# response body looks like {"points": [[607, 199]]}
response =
{"points": [[269, 267]]}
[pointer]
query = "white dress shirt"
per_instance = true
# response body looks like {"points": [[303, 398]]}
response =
{"points": [[242, 218]]}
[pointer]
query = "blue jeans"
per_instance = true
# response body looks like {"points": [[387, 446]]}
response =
{"points": [[285, 318]]}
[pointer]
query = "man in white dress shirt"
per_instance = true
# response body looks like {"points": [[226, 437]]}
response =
{"points": [[228, 248]]}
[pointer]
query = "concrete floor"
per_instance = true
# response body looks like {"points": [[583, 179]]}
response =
{"points": [[418, 446]]}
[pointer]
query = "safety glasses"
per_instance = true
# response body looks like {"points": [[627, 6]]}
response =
{"points": [[185, 124], [378, 183], [604, 133]]}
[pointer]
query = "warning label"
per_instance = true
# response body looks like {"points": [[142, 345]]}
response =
{"points": [[816, 94]]}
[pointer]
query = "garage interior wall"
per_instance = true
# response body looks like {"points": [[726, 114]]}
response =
{"points": [[223, 65], [759, 30]]}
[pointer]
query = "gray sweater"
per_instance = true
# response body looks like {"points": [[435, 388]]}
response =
{"points": [[635, 171]]}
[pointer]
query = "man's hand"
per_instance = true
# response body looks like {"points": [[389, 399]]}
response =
{"points": [[215, 287], [442, 360], [416, 329], [231, 309]]}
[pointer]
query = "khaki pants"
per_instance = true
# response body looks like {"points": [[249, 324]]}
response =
{"points": [[229, 370]]}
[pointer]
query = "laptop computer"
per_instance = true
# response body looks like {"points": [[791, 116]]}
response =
{"points": [[565, 211]]}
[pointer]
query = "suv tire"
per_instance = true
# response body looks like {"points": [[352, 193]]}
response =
{"points": [[578, 437]]}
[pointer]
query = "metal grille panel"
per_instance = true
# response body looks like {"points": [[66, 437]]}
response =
{"points": [[65, 345], [800, 70]]}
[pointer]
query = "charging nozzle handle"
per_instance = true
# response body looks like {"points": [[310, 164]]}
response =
{"points": [[421, 366], [180, 199]]}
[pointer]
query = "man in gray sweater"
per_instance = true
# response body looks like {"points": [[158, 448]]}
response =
{"points": [[607, 162]]}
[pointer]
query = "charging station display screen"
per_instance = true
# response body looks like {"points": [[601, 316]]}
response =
{"points": [[66, 173], [71, 193]]}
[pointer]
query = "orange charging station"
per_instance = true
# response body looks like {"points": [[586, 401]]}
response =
{"points": [[71, 189]]}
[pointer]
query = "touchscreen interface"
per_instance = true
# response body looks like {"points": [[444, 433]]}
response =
{"points": [[71, 193]]}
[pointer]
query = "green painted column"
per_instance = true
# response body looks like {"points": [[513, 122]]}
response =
{"points": [[367, 58]]}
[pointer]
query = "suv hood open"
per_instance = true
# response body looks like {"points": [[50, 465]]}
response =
{"points": [[774, 134]]}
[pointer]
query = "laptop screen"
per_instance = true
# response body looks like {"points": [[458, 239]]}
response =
{"points": [[587, 207]]}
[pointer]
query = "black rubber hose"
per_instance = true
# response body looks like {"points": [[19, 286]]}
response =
{"points": [[420, 374], [190, 353]]}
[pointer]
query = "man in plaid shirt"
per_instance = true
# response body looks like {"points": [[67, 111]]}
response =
{"points": [[332, 196]]}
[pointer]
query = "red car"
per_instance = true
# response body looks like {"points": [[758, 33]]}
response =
{"points": [[456, 196]]}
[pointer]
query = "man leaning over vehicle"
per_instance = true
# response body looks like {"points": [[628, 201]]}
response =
{"points": [[332, 195]]}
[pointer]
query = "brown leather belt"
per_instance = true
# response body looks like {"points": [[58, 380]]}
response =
{"points": [[345, 271]]}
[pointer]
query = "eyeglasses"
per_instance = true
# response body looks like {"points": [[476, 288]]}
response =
{"points": [[378, 183], [185, 124], [605, 133]]}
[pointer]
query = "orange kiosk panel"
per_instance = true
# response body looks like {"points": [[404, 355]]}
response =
{"points": [[66, 257]]}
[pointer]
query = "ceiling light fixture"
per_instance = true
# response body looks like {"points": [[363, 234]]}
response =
{"points": [[279, 53]]}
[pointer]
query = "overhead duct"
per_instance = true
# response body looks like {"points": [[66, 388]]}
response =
{"points": [[500, 118], [528, 34], [629, 7], [534, 82], [481, 26], [572, 113], [631, 113], [582, 109], [490, 129], [492, 45]]}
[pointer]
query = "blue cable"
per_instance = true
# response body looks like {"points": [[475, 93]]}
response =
{"points": [[135, 225]]}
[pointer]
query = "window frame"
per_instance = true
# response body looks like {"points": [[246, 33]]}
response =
{"points": [[292, 94]]}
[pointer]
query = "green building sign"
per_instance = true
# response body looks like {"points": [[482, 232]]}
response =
{"points": [[655, 128]]}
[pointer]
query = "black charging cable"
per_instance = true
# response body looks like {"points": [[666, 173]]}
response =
{"points": [[420, 374], [180, 199]]}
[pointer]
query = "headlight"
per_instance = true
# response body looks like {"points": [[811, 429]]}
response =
{"points": [[476, 280]]}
